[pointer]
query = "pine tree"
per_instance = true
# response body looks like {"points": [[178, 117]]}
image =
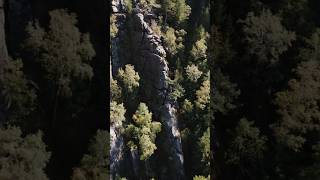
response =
{"points": [[193, 73], [142, 133], [176, 10], [20, 98], [267, 39], [95, 165], [22, 158], [62, 65], [203, 95], [248, 144], [298, 107], [117, 113], [64, 55], [128, 78], [115, 91]]}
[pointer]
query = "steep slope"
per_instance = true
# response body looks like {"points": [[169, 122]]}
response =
{"points": [[148, 55], [116, 139]]}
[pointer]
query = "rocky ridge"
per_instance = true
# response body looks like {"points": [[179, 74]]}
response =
{"points": [[149, 60]]}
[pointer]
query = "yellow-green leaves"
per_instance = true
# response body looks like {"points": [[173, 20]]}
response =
{"points": [[193, 73], [129, 78], [205, 147], [115, 91], [117, 112], [143, 132], [177, 10], [113, 26], [203, 95]]}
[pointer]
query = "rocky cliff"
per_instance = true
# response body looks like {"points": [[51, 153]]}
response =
{"points": [[148, 55], [116, 139]]}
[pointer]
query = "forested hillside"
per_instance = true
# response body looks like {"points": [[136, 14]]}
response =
{"points": [[266, 76], [160, 89]]}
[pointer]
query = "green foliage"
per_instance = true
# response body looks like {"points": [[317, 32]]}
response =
{"points": [[175, 88], [22, 158], [187, 106], [298, 107], [176, 91], [122, 178], [199, 50], [201, 178], [113, 26], [95, 165], [117, 112], [115, 91], [129, 78], [173, 40], [149, 4], [266, 37], [225, 93], [177, 10], [128, 5], [312, 52], [143, 132], [248, 144], [156, 28], [63, 65], [193, 73], [203, 95], [19, 97], [204, 144]]}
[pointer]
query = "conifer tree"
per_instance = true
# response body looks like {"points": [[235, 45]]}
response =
{"points": [[266, 37], [176, 10], [248, 144], [22, 158], [64, 55], [142, 133], [129, 78], [20, 98], [95, 165], [298, 107]]}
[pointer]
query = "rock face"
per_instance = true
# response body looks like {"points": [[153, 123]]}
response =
{"points": [[116, 139], [116, 150], [152, 66], [148, 55], [3, 46], [118, 10]]}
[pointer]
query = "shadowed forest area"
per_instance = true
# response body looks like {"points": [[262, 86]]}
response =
{"points": [[266, 76], [53, 90], [159, 89]]}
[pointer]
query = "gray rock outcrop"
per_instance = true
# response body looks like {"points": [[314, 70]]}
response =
{"points": [[116, 138], [148, 55], [152, 66]]}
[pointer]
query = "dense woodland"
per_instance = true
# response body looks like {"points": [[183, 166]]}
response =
{"points": [[266, 77], [240, 94], [53, 88]]}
